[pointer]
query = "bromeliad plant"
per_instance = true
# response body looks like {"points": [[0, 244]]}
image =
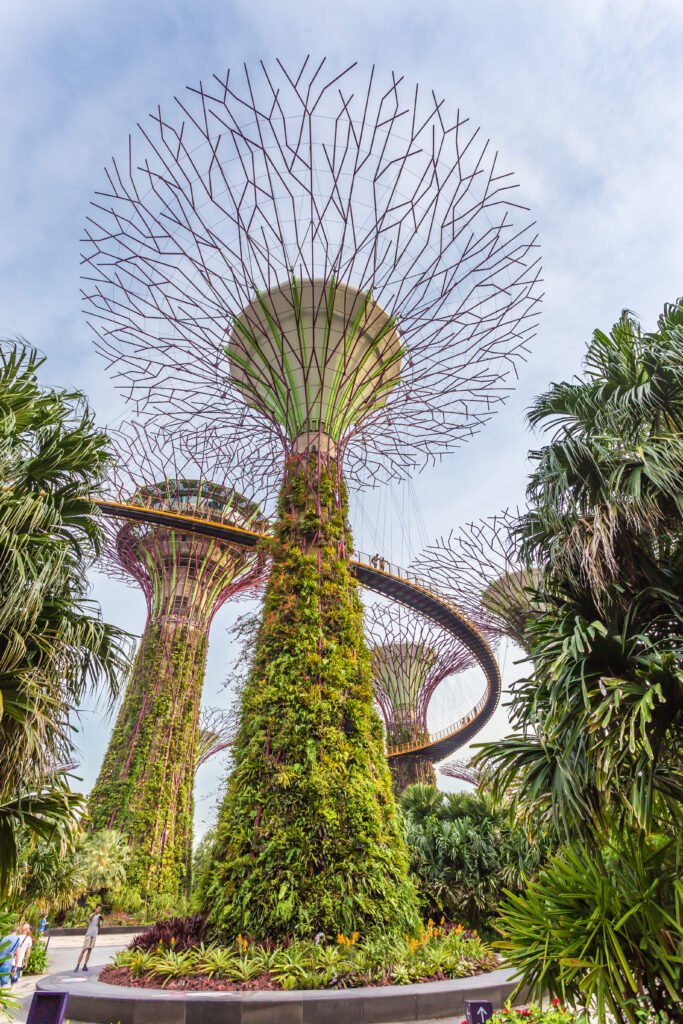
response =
{"points": [[432, 952]]}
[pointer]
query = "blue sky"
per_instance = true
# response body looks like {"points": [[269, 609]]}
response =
{"points": [[583, 100]]}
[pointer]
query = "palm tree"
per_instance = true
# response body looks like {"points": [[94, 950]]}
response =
{"points": [[601, 718], [598, 752], [102, 860], [54, 647], [465, 851]]}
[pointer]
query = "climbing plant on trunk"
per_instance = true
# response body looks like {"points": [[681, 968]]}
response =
{"points": [[308, 837]]}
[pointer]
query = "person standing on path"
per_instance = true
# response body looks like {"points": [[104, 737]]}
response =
{"points": [[94, 925], [8, 947], [23, 952]]}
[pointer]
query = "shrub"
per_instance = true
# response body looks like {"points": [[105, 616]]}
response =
{"points": [[556, 1013], [465, 852], [602, 927], [37, 961], [177, 933]]}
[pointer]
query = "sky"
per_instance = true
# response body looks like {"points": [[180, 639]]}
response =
{"points": [[582, 99]]}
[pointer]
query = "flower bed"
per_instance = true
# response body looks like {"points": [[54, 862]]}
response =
{"points": [[435, 953], [553, 1014]]}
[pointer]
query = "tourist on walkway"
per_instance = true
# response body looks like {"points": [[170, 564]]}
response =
{"points": [[8, 947], [94, 925], [23, 952]]}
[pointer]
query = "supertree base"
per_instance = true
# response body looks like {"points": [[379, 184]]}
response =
{"points": [[308, 838]]}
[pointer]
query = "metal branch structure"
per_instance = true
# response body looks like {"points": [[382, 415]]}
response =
{"points": [[478, 569], [318, 271], [216, 734], [410, 658], [145, 786], [290, 258], [460, 768]]}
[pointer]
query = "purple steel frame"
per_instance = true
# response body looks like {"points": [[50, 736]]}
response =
{"points": [[329, 177]]}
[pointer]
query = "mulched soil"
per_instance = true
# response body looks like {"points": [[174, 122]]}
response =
{"points": [[200, 982]]}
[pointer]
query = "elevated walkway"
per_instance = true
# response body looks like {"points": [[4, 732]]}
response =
{"points": [[382, 577]]}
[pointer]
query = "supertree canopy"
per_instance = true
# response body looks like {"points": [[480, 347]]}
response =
{"points": [[478, 567], [365, 260], [216, 734], [410, 658], [460, 768], [145, 786], [319, 271]]}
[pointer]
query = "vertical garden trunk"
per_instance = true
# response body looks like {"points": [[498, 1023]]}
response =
{"points": [[308, 837], [410, 769], [145, 786]]}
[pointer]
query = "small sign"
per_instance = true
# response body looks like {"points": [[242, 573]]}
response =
{"points": [[47, 1008], [478, 1011]]}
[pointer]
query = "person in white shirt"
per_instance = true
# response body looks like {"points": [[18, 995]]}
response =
{"points": [[22, 952], [94, 924]]}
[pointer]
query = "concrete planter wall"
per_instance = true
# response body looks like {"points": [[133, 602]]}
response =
{"points": [[97, 1003]]}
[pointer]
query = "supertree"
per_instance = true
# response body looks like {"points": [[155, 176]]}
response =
{"points": [[410, 658], [460, 768], [145, 785], [322, 271], [478, 568], [216, 734]]}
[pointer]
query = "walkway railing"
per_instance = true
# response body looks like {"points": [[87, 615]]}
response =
{"points": [[382, 576]]}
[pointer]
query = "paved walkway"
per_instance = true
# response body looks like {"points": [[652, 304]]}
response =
{"points": [[63, 953]]}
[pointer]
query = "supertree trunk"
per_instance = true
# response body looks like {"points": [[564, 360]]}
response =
{"points": [[411, 769], [308, 837], [408, 769], [145, 787]]}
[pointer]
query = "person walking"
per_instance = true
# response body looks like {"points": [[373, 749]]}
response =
{"points": [[8, 947], [42, 926], [22, 953], [94, 925]]}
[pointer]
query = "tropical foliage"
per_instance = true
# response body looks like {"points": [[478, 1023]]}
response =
{"points": [[37, 962], [309, 839], [348, 962], [598, 753], [464, 852], [102, 860], [602, 927], [49, 876], [54, 647]]}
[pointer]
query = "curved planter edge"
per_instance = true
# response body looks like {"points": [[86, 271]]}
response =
{"points": [[93, 1001]]}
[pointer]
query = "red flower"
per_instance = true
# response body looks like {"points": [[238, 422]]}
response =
{"points": [[556, 1002], [526, 1012]]}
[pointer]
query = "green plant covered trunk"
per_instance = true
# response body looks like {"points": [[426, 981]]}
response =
{"points": [[144, 789], [308, 837], [411, 769]]}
